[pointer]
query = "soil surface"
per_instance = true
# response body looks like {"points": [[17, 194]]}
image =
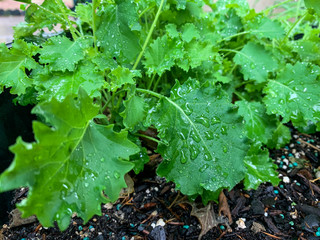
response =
{"points": [[151, 208]]}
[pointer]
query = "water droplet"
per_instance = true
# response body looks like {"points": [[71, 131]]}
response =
{"points": [[209, 135], [215, 120], [194, 152], [102, 159], [86, 184], [224, 130], [225, 149], [116, 175], [204, 167], [203, 120], [187, 109], [195, 136], [253, 66], [183, 158]]}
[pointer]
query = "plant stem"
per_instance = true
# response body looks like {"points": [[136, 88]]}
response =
{"points": [[145, 10], [156, 84], [266, 11], [151, 81], [94, 29], [149, 36], [148, 137], [157, 95], [293, 27], [72, 29], [239, 95]]}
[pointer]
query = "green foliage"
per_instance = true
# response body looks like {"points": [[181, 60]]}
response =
{"points": [[216, 88]]}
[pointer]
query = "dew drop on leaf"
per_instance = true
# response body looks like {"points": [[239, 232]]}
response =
{"points": [[183, 158], [225, 149], [204, 167], [215, 120], [209, 135], [224, 130], [116, 175], [86, 184], [203, 120], [102, 159], [195, 136], [194, 152]]}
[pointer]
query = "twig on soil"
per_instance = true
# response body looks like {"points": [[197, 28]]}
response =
{"points": [[314, 180], [309, 144], [37, 228], [240, 237], [270, 235], [174, 201], [222, 234]]}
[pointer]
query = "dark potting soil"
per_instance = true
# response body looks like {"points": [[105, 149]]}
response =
{"points": [[152, 209]]}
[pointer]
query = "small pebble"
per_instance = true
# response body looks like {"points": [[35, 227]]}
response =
{"points": [[80, 228], [286, 147], [286, 161], [282, 216], [284, 167], [90, 227], [147, 191], [276, 191], [281, 186], [160, 222], [131, 225], [290, 165], [186, 226], [298, 142], [317, 234], [294, 151], [241, 223], [297, 183], [291, 223], [86, 238], [290, 155], [123, 238], [266, 214], [286, 179], [295, 164], [222, 227], [283, 157]]}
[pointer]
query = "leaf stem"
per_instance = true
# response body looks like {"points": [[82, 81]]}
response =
{"points": [[239, 96], [156, 84], [94, 27], [148, 137], [293, 27], [157, 95], [149, 36], [151, 81], [146, 10], [66, 18], [266, 11]]}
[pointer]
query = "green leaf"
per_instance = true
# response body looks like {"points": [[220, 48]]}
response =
{"points": [[259, 125], [63, 54], [202, 137], [307, 50], [161, 55], [255, 62], [281, 136], [48, 14], [121, 76], [189, 32], [14, 64], [266, 28], [114, 33], [314, 4], [84, 12], [198, 52], [61, 84], [294, 94], [134, 112], [260, 168], [70, 165]]}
